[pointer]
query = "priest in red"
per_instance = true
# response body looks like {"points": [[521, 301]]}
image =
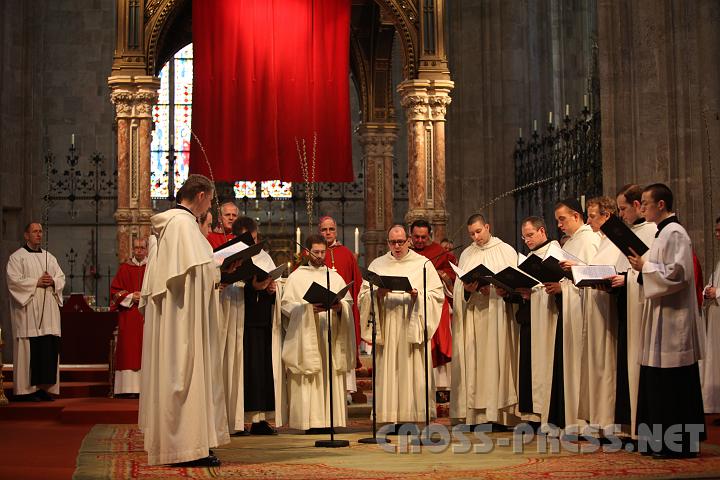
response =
{"points": [[124, 298], [228, 213], [421, 232], [340, 259]]}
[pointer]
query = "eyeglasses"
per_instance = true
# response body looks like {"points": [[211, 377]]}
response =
{"points": [[396, 242]]}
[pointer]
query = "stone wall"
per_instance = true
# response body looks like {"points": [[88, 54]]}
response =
{"points": [[54, 63]]}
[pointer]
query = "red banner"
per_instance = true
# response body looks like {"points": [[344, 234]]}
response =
{"points": [[268, 74]]}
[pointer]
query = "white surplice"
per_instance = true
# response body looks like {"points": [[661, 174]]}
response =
{"points": [[710, 364], [583, 244], [671, 330], [400, 381], [34, 311], [543, 318], [485, 343], [305, 351], [635, 301], [599, 377], [182, 406], [232, 305]]}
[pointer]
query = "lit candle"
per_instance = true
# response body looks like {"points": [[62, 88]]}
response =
{"points": [[582, 202], [72, 139], [520, 132], [567, 110], [550, 118], [289, 268], [585, 101], [357, 241], [297, 241], [535, 125]]}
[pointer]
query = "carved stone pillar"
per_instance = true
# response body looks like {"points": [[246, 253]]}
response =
{"points": [[134, 97], [425, 103], [378, 142]]}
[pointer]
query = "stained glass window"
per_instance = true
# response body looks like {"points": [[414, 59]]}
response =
{"points": [[173, 118]]}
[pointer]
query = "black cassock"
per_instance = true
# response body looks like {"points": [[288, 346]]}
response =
{"points": [[522, 317], [257, 350]]}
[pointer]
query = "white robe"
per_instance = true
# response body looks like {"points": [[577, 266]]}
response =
{"points": [[671, 331], [182, 408], [485, 343], [599, 378], [34, 311], [400, 381], [543, 318], [583, 244], [635, 301], [709, 365], [232, 303], [305, 352]]}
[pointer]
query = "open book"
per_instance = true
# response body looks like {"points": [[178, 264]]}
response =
{"points": [[534, 266], [260, 266], [623, 237], [390, 282], [593, 275], [317, 294], [554, 255], [234, 250], [480, 274], [510, 279]]}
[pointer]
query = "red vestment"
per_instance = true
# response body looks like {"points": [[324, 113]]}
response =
{"points": [[442, 340], [344, 262], [128, 351], [217, 239], [699, 280]]}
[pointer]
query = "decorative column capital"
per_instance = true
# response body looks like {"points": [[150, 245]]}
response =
{"points": [[438, 106], [378, 139], [425, 99], [433, 215], [133, 96]]}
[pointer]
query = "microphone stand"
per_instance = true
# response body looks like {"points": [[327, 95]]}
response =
{"points": [[372, 322], [331, 443]]}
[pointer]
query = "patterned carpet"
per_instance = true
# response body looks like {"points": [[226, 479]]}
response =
{"points": [[115, 452]]}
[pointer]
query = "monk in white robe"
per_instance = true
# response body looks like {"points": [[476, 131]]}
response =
{"points": [[599, 376], [583, 244], [543, 320], [305, 348], [182, 407], [672, 336], [400, 342], [252, 364], [628, 202], [485, 336], [36, 283], [710, 364]]}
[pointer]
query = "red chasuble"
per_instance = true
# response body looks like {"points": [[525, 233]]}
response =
{"points": [[442, 340], [217, 239], [344, 262], [128, 352]]}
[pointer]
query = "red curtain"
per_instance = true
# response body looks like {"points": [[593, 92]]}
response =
{"points": [[267, 72]]}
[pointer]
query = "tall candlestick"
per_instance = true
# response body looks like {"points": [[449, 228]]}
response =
{"points": [[72, 140], [550, 118], [357, 241], [535, 125], [297, 241], [567, 110]]}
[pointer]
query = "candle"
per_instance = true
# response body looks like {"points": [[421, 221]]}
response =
{"points": [[357, 241], [289, 268], [585, 101], [582, 202], [567, 110], [72, 139], [520, 132], [297, 241], [550, 118], [535, 125]]}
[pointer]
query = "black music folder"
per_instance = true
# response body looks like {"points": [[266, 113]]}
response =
{"points": [[480, 274], [317, 294], [389, 282], [234, 250], [535, 267], [623, 237], [510, 279]]}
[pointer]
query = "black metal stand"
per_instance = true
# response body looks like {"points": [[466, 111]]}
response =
{"points": [[331, 443], [372, 322]]}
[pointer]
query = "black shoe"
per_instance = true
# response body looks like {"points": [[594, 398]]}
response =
{"points": [[318, 431], [28, 397], [44, 396], [209, 461], [262, 428], [240, 433]]}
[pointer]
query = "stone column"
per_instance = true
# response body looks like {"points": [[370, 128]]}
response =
{"points": [[425, 103], [134, 97], [378, 141]]}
